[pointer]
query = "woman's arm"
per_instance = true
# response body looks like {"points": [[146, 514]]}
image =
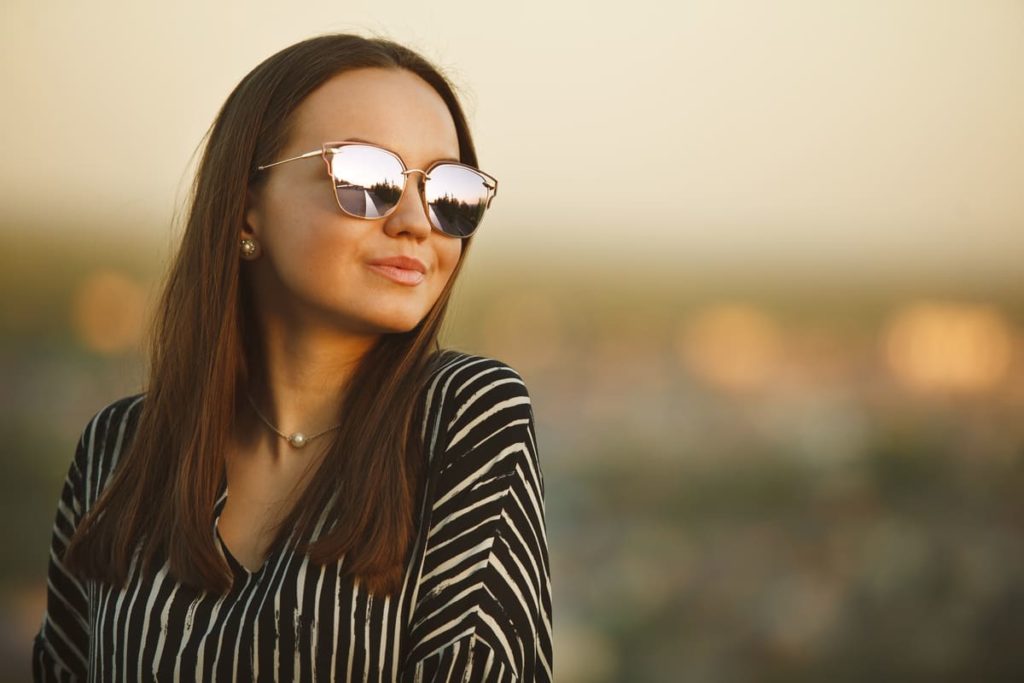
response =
{"points": [[61, 647], [483, 611]]}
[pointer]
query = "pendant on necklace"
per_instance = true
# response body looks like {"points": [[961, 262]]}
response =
{"points": [[298, 439]]}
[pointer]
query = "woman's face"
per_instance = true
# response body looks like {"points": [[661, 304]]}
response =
{"points": [[314, 266]]}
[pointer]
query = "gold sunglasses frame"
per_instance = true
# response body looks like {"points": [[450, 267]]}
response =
{"points": [[492, 187]]}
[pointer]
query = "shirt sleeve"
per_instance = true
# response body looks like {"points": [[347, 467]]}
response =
{"points": [[60, 648], [483, 611]]}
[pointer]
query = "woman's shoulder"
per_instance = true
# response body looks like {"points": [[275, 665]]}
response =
{"points": [[116, 418], [471, 397], [472, 382], [454, 364], [105, 435]]}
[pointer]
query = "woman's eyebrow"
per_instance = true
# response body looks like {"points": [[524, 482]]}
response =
{"points": [[353, 138]]}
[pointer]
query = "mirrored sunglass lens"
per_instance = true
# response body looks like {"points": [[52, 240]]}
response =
{"points": [[457, 197], [367, 180]]}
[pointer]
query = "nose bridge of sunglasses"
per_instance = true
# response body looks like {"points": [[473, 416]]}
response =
{"points": [[416, 170]]}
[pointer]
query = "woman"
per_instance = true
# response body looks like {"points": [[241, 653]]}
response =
{"points": [[386, 511]]}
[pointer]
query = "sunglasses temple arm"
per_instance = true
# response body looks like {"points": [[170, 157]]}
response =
{"points": [[285, 161]]}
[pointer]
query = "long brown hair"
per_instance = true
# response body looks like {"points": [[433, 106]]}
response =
{"points": [[204, 347]]}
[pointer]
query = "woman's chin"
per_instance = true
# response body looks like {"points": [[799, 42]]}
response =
{"points": [[396, 324]]}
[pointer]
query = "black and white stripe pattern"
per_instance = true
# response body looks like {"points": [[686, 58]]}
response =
{"points": [[475, 604]]}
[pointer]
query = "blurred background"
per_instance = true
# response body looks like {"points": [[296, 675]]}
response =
{"points": [[758, 262]]}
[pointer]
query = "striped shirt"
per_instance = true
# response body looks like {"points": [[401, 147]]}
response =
{"points": [[475, 603]]}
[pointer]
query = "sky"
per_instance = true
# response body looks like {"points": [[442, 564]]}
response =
{"points": [[868, 136]]}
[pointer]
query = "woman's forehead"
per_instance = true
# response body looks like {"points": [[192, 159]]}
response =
{"points": [[392, 108]]}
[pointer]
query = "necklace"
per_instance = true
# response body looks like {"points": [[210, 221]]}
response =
{"points": [[296, 440]]}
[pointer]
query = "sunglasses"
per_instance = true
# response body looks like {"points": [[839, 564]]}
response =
{"points": [[369, 180]]}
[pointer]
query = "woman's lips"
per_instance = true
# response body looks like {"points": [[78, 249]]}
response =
{"points": [[402, 276]]}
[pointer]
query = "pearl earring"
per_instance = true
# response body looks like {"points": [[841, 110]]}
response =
{"points": [[250, 249]]}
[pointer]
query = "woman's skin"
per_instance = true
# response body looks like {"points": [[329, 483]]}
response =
{"points": [[319, 306]]}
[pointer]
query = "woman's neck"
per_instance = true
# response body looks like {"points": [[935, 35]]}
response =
{"points": [[302, 382]]}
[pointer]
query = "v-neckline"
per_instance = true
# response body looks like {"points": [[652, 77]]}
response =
{"points": [[222, 500]]}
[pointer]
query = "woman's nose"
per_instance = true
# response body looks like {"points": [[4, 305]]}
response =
{"points": [[410, 214]]}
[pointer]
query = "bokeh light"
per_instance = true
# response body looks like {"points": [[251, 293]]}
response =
{"points": [[949, 347], [734, 347], [108, 312]]}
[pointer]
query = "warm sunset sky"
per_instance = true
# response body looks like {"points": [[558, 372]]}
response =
{"points": [[870, 134]]}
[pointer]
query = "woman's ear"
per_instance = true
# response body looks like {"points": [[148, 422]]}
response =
{"points": [[253, 224]]}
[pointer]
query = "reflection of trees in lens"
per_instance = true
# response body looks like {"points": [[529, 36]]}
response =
{"points": [[454, 210], [387, 192], [357, 198]]}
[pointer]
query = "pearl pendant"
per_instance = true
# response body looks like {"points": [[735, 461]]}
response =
{"points": [[298, 439]]}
